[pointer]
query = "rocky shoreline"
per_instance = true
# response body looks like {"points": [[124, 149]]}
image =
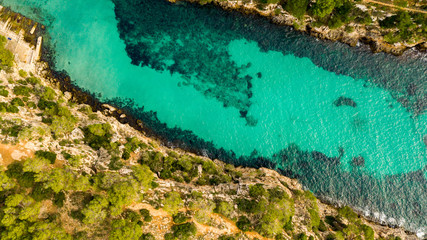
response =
{"points": [[361, 34]]}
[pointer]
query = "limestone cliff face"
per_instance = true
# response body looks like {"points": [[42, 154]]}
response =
{"points": [[370, 35]]}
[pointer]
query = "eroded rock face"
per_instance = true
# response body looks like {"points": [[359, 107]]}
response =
{"points": [[103, 160], [345, 101]]}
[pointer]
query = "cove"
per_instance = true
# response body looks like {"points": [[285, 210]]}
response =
{"points": [[262, 94]]}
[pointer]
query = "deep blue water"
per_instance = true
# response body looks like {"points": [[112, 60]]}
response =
{"points": [[349, 124]]}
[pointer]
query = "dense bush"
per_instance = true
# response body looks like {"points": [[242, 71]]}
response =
{"points": [[6, 57], [22, 73], [146, 215], [257, 191], [125, 230], [119, 195], [323, 8], [180, 217], [172, 202], [22, 91], [244, 224], [297, 7], [17, 102], [224, 208], [50, 156], [98, 135], [184, 231], [347, 212], [3, 92]]}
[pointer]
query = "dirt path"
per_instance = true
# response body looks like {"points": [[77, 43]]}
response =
{"points": [[394, 6], [10, 153]]}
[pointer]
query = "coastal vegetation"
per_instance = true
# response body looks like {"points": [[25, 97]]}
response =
{"points": [[381, 23], [410, 26]]}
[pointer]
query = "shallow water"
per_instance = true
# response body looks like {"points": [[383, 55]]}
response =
{"points": [[348, 123]]}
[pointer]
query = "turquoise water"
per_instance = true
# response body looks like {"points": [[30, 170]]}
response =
{"points": [[248, 92]]}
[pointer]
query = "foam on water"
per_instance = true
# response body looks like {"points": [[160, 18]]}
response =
{"points": [[349, 124]]}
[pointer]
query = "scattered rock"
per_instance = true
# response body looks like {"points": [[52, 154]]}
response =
{"points": [[345, 101], [18, 155], [322, 157], [358, 161], [77, 133]]}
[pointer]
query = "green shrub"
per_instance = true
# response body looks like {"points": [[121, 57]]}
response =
{"points": [[62, 125], [172, 202], [224, 208], [95, 211], [401, 3], [347, 212], [143, 175], [39, 192], [48, 94], [146, 215], [120, 195], [6, 57], [226, 237], [124, 229], [116, 163], [314, 218], [322, 227], [334, 23], [184, 231], [251, 206], [244, 224], [4, 92], [10, 109], [59, 199], [131, 215], [98, 135], [74, 161], [257, 191], [180, 217], [33, 80], [17, 102], [301, 236], [23, 73], [43, 105], [22, 91], [323, 8], [297, 7], [50, 156], [12, 131], [147, 236], [289, 227], [368, 232], [335, 223]]}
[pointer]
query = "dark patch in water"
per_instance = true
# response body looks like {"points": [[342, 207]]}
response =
{"points": [[195, 49], [345, 101], [358, 161], [195, 38], [319, 156]]}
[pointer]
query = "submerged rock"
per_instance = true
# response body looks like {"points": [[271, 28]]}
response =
{"points": [[324, 158], [345, 101], [358, 161]]}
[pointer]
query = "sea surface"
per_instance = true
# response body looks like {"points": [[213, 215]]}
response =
{"points": [[349, 124]]}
